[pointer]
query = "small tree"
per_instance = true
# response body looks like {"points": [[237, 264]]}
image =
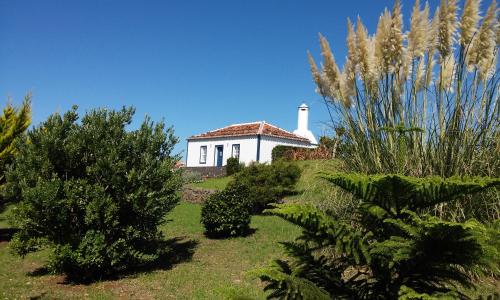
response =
{"points": [[386, 250], [94, 192], [13, 123]]}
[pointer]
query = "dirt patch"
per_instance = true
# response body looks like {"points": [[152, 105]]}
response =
{"points": [[196, 195], [126, 289]]}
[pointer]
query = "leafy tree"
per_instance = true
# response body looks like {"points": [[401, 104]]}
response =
{"points": [[94, 192], [13, 123], [387, 250]]}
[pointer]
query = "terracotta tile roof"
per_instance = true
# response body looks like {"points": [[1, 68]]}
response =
{"points": [[247, 129]]}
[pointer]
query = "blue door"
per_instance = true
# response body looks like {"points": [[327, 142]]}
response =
{"points": [[219, 152]]}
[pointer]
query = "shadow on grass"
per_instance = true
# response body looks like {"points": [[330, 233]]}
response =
{"points": [[39, 272], [220, 236], [178, 250], [7, 233]]}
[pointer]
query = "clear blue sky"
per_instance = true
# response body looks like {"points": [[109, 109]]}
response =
{"points": [[200, 65]]}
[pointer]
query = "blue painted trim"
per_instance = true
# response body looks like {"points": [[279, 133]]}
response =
{"points": [[258, 147], [216, 157]]}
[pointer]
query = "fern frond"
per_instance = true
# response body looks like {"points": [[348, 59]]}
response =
{"points": [[396, 192], [285, 285], [406, 293], [319, 226]]}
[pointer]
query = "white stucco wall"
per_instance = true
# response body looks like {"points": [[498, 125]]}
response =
{"points": [[248, 150], [267, 143]]}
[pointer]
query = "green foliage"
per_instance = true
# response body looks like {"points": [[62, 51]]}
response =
{"points": [[233, 166], [327, 141], [13, 123], [386, 250], [396, 192], [94, 192], [280, 152], [227, 213], [267, 183], [288, 153]]}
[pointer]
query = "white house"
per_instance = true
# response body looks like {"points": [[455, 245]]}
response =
{"points": [[249, 142]]}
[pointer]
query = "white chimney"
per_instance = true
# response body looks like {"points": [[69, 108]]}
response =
{"points": [[302, 124]]}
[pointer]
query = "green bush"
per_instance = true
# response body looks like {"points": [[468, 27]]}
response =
{"points": [[94, 192], [387, 250], [267, 183], [233, 166], [227, 213], [280, 152]]}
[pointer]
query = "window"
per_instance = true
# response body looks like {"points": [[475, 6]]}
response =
{"points": [[236, 151], [203, 154]]}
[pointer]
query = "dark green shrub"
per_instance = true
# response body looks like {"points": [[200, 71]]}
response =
{"points": [[94, 192], [227, 213], [387, 250], [233, 166], [267, 183], [280, 152]]}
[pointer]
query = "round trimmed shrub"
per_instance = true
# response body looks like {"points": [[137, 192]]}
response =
{"points": [[227, 213], [94, 192]]}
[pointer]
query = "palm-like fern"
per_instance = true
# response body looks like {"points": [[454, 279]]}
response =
{"points": [[387, 250]]}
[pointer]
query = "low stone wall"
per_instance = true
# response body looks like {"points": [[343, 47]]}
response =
{"points": [[208, 172], [196, 195]]}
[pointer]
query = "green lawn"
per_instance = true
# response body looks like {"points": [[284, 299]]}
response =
{"points": [[215, 270], [202, 269], [213, 183]]}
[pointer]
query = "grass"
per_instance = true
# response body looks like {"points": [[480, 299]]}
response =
{"points": [[217, 269], [213, 183], [204, 269]]}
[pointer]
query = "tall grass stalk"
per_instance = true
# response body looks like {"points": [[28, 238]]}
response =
{"points": [[420, 102]]}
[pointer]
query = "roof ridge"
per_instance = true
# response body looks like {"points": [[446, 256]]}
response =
{"points": [[221, 128], [246, 123]]}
